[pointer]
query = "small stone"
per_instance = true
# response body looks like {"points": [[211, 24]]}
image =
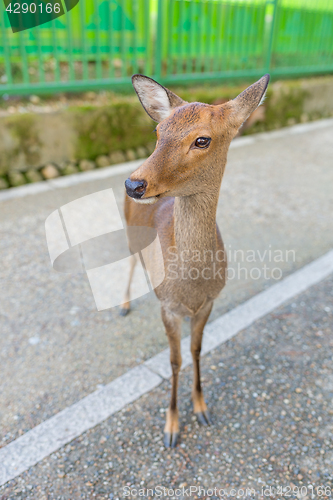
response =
{"points": [[102, 161], [33, 175], [141, 152], [69, 169], [298, 390], [117, 63], [16, 178], [117, 157], [50, 172], [130, 155], [299, 477], [291, 121], [34, 99], [86, 165], [272, 458], [213, 367], [90, 95], [3, 183]]}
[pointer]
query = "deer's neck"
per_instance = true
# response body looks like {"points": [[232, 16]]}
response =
{"points": [[195, 222]]}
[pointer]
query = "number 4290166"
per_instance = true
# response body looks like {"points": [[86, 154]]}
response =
{"points": [[23, 8]]}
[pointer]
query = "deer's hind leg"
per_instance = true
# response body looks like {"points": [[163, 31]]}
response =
{"points": [[126, 304], [197, 326], [172, 325]]}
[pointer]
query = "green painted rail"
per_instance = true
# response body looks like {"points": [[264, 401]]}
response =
{"points": [[101, 43]]}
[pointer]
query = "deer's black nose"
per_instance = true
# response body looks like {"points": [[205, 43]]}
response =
{"points": [[135, 189]]}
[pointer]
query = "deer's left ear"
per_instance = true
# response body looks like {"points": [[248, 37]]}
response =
{"points": [[246, 102], [157, 101]]}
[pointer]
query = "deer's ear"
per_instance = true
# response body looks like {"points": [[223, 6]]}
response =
{"points": [[246, 102], [157, 101]]}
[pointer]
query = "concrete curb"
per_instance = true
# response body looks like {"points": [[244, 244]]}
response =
{"points": [[126, 168]]}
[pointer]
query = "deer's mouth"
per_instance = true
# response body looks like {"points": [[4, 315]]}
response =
{"points": [[147, 201]]}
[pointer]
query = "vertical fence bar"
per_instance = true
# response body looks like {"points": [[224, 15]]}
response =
{"points": [[6, 49], [203, 35], [327, 42], [70, 46], [169, 9], [235, 42], [219, 36], [208, 24], [298, 38], [191, 11], [229, 25], [111, 39], [310, 24], [181, 37], [258, 44], [24, 62], [122, 54], [251, 49], [245, 34], [199, 38], [98, 61], [84, 56], [55, 51], [268, 59], [147, 38], [40, 55], [158, 41], [136, 23]]}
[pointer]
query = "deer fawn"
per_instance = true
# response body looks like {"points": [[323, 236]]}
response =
{"points": [[176, 191]]}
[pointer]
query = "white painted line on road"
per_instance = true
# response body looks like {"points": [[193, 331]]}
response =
{"points": [[70, 423], [128, 167]]}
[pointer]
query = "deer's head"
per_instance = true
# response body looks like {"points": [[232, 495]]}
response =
{"points": [[192, 140]]}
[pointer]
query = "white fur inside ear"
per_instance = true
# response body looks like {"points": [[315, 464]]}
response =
{"points": [[262, 99], [154, 98]]}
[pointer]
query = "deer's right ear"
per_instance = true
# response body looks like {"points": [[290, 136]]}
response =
{"points": [[246, 102], [157, 101]]}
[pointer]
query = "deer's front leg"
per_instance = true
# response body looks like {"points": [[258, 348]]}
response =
{"points": [[172, 325], [197, 326]]}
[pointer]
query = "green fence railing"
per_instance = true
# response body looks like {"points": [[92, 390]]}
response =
{"points": [[100, 43]]}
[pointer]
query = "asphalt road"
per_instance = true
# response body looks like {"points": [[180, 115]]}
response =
{"points": [[55, 348]]}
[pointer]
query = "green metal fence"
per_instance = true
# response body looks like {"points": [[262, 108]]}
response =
{"points": [[100, 43]]}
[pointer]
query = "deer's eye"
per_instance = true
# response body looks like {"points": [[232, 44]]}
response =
{"points": [[202, 142]]}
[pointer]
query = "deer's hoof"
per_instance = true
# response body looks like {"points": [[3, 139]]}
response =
{"points": [[170, 439], [123, 311], [203, 417]]}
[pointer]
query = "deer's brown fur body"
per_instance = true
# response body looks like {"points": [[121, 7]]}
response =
{"points": [[176, 191]]}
